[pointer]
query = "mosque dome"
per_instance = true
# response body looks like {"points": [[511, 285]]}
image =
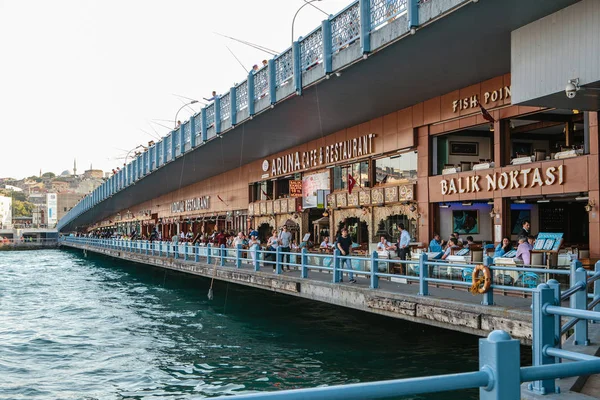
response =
{"points": [[67, 172]]}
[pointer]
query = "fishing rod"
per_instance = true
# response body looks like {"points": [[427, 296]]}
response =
{"points": [[256, 46]]}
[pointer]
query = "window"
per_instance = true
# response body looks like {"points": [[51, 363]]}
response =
{"points": [[65, 209], [359, 171], [400, 168], [261, 191]]}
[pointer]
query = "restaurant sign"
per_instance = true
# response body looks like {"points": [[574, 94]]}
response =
{"points": [[197, 203], [296, 188], [525, 178], [324, 155]]}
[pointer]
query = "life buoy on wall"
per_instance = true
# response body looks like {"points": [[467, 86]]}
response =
{"points": [[481, 285]]}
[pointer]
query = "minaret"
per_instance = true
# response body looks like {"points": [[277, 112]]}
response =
{"points": [[40, 172], [75, 166]]}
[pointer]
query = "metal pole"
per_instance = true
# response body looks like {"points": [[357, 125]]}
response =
{"points": [[304, 263], [374, 270], [499, 357], [580, 297], [423, 273], [543, 335]]}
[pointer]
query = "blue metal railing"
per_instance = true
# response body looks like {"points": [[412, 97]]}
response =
{"points": [[499, 376]]}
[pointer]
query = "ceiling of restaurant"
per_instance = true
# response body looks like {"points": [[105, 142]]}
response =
{"points": [[463, 48]]}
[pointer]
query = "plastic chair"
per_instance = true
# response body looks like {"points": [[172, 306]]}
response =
{"points": [[528, 280], [467, 274]]}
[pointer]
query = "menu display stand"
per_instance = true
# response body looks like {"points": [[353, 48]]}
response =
{"points": [[548, 244]]}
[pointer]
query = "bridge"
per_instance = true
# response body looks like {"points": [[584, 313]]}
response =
{"points": [[490, 314], [373, 57]]}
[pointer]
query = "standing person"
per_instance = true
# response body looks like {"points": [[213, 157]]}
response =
{"points": [[525, 229], [403, 243], [175, 240], [272, 245], [253, 232], [344, 242], [254, 243], [285, 239], [213, 98], [239, 239]]}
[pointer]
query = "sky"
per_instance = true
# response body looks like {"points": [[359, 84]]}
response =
{"points": [[92, 79]]}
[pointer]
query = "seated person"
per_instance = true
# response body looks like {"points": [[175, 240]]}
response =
{"points": [[524, 251], [503, 247], [452, 243], [384, 245], [325, 244], [435, 246], [469, 242]]}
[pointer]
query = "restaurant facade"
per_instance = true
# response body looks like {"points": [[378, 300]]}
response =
{"points": [[467, 161]]}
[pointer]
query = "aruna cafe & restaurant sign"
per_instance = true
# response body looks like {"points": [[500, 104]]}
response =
{"points": [[524, 179], [341, 151]]}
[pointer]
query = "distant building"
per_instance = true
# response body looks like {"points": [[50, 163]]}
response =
{"points": [[93, 174], [66, 201], [5, 212], [12, 188], [59, 186]]}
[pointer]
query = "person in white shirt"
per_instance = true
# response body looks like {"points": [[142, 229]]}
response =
{"points": [[385, 245], [254, 243], [403, 243], [239, 239], [325, 244]]}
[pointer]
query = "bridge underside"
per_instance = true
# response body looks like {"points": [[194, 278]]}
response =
{"points": [[468, 46]]}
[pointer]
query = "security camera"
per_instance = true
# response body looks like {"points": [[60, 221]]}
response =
{"points": [[572, 88]]}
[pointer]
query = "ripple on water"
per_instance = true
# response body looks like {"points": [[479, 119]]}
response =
{"points": [[94, 328]]}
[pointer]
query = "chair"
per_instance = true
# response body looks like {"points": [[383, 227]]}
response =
{"points": [[528, 280], [467, 274]]}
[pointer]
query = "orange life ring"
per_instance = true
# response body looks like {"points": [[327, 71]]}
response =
{"points": [[487, 275]]}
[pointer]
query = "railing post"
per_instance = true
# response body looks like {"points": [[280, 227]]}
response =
{"points": [[413, 15], [251, 93], [208, 255], [160, 249], [197, 253], [147, 247], [488, 298], [423, 274], [304, 263], [272, 81], [256, 260], [499, 356], [168, 249], [176, 252], [238, 256], [336, 266], [580, 297], [278, 260], [555, 285], [327, 46], [374, 270], [217, 114], [233, 105], [185, 251], [596, 289], [223, 255], [543, 335], [152, 244], [365, 25], [203, 127], [192, 134], [296, 59]]}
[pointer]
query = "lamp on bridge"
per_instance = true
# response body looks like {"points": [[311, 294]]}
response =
{"points": [[182, 107]]}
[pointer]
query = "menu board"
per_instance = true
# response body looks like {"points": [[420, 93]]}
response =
{"points": [[295, 188], [548, 242]]}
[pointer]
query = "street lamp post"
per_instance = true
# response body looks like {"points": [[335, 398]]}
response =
{"points": [[306, 3], [182, 107]]}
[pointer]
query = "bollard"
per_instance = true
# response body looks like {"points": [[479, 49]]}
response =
{"points": [[238, 256], [336, 267], [256, 260], [423, 274], [304, 263], [580, 297], [208, 254], [499, 356], [488, 298], [197, 252], [543, 335], [223, 255], [374, 270], [278, 260]]}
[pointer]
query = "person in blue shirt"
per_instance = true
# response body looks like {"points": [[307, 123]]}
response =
{"points": [[503, 247], [403, 248], [435, 246]]}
